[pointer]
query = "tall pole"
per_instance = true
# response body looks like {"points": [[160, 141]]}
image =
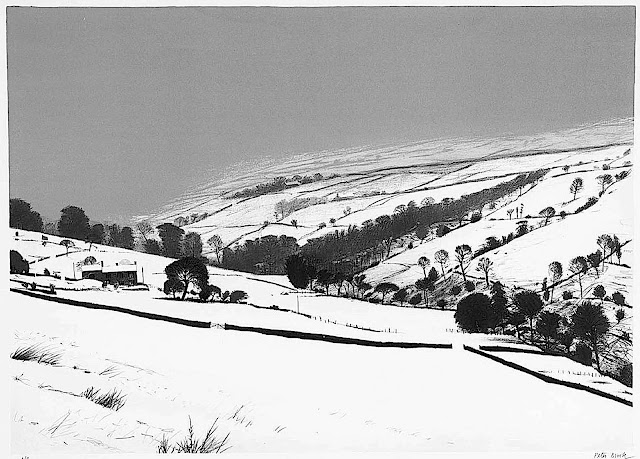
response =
{"points": [[298, 301]]}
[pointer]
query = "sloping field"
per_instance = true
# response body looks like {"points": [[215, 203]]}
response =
{"points": [[274, 395]]}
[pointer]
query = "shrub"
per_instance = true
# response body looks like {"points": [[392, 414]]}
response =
{"points": [[442, 230], [626, 374], [618, 298], [590, 202], [114, 400], [375, 300], [583, 354], [455, 290], [36, 353], [441, 303], [469, 286], [209, 444], [476, 217], [47, 272], [562, 214], [207, 290], [620, 315], [473, 313], [415, 299], [599, 291], [322, 225], [237, 296], [172, 286], [567, 295], [17, 264]]}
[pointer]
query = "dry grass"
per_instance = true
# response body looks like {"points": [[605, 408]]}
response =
{"points": [[114, 400], [37, 353], [209, 444]]}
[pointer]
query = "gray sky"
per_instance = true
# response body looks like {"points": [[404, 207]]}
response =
{"points": [[119, 110]]}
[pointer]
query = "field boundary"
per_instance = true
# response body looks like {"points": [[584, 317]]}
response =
{"points": [[335, 339], [133, 312], [548, 379]]}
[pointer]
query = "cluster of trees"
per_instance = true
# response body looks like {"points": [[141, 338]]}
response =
{"points": [[263, 255], [284, 208], [21, 216], [277, 184], [73, 224], [356, 249], [188, 220], [191, 272], [609, 246], [479, 313]]}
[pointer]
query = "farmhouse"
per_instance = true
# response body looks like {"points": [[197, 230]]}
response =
{"points": [[123, 272]]}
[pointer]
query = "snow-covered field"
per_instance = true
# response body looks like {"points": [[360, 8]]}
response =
{"points": [[292, 395]]}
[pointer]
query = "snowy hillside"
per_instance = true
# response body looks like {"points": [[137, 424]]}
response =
{"points": [[366, 182]]}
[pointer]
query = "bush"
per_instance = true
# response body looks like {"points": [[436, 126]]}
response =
{"points": [[375, 300], [567, 295], [455, 290], [583, 354], [172, 286], [476, 217], [207, 290], [442, 230], [209, 444], [415, 299], [114, 400], [469, 286], [620, 315], [441, 303], [626, 374], [17, 264], [562, 214], [237, 296], [47, 272], [473, 313], [618, 298], [590, 202]]}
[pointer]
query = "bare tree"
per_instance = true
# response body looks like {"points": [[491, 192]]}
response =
{"points": [[547, 213], [442, 257], [555, 270], [463, 254], [144, 228], [604, 242], [485, 266], [424, 262], [216, 244], [576, 186], [579, 267], [604, 180], [509, 213]]}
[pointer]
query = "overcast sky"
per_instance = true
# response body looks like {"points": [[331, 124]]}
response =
{"points": [[119, 110]]}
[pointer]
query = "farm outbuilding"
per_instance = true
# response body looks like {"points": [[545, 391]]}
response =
{"points": [[123, 272]]}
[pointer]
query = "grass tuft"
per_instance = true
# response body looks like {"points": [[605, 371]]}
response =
{"points": [[209, 444], [114, 400], [37, 353]]}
